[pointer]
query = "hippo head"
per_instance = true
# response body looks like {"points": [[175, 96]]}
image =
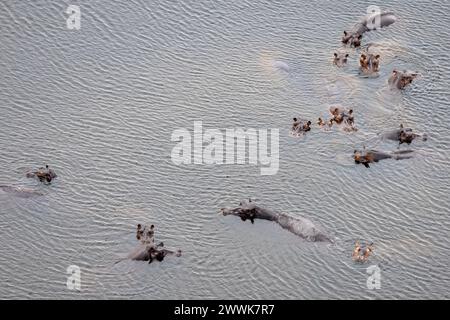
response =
{"points": [[346, 37], [356, 40], [394, 77], [409, 76], [375, 62], [363, 61], [245, 208], [340, 59], [402, 78], [233, 211], [227, 211], [357, 156]]}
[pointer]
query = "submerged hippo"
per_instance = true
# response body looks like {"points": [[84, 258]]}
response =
{"points": [[300, 127], [280, 65], [366, 157], [403, 135], [368, 23], [302, 227], [401, 79], [341, 116], [360, 254], [43, 174], [353, 39], [151, 252], [147, 250], [369, 62], [21, 192], [340, 59]]}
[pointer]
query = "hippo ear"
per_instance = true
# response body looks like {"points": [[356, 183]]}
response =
{"points": [[347, 55], [377, 56], [345, 33], [335, 54]]}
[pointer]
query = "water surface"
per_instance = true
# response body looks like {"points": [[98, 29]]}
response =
{"points": [[100, 104]]}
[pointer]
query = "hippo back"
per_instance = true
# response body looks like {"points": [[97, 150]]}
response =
{"points": [[266, 214], [21, 191], [302, 227], [140, 253]]}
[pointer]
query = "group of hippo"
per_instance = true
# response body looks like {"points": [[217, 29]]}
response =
{"points": [[369, 63], [148, 250], [402, 135], [300, 226], [339, 116]]}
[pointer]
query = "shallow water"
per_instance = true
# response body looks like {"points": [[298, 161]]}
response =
{"points": [[100, 104]]}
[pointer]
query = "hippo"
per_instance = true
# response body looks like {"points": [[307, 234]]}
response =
{"points": [[353, 39], [302, 227], [325, 124], [362, 255], [342, 116], [151, 252], [369, 62], [300, 127], [340, 59], [21, 192], [43, 174], [367, 24], [403, 135], [372, 156], [145, 234], [147, 250], [401, 79]]}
